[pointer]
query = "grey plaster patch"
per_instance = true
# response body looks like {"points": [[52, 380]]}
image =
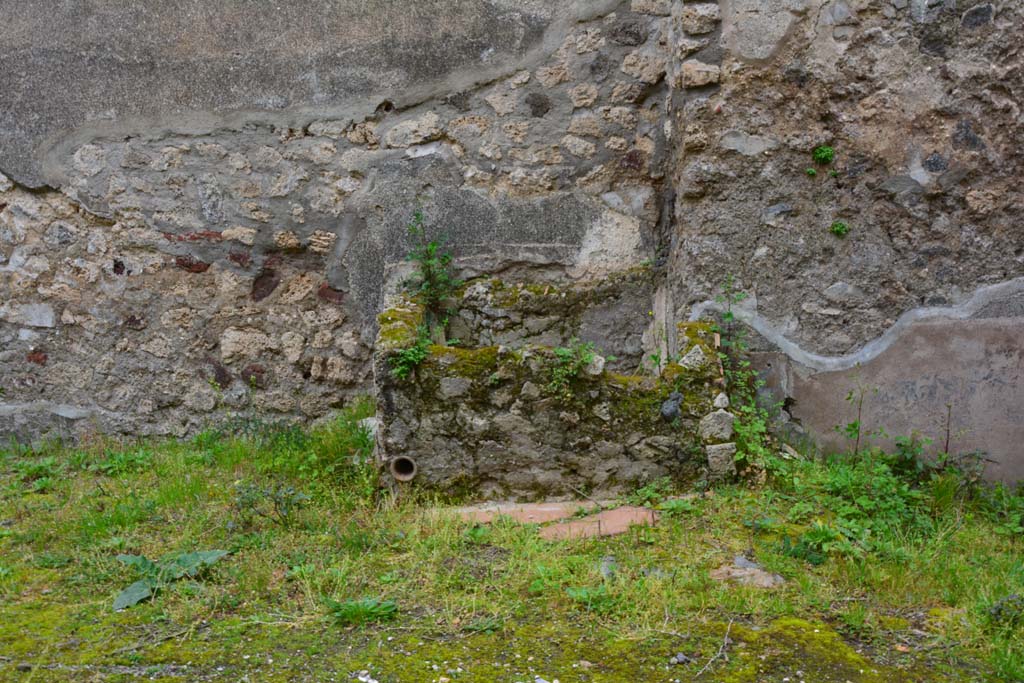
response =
{"points": [[32, 315], [100, 75], [754, 29], [749, 145]]}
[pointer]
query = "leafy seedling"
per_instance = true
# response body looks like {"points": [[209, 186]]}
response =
{"points": [[157, 575], [823, 155], [592, 599], [484, 625], [839, 229], [363, 611]]}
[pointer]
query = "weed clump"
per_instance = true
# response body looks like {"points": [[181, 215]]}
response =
{"points": [[363, 611], [432, 282], [823, 155], [839, 229], [570, 361], [156, 575], [405, 361]]}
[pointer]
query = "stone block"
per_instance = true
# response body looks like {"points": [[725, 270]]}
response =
{"points": [[721, 461], [454, 387], [700, 18], [717, 427], [645, 66], [696, 74], [660, 8]]}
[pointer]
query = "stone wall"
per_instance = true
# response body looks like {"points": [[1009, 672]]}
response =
{"points": [[918, 303], [204, 204], [498, 421], [198, 233]]}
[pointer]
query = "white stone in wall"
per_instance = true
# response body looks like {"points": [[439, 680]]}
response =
{"points": [[30, 315], [645, 66], [695, 74], [717, 427], [700, 18], [550, 76], [414, 131], [520, 79], [612, 243], [748, 145], [502, 102], [721, 461], [661, 8], [579, 147], [238, 343], [583, 95], [589, 40], [586, 125]]}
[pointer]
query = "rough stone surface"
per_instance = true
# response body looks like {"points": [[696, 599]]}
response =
{"points": [[926, 176], [260, 219], [747, 573], [721, 461], [699, 18], [695, 74], [598, 432], [717, 427], [219, 194]]}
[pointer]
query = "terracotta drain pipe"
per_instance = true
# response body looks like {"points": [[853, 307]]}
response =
{"points": [[403, 468]]}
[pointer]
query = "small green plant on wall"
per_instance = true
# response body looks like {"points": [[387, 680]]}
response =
{"points": [[753, 441], [432, 282], [404, 361], [433, 285], [839, 229], [823, 155], [569, 363]]}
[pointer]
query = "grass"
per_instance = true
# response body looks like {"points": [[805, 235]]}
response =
{"points": [[915, 584]]}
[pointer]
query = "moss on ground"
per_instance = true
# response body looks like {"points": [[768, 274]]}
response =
{"points": [[490, 604]]}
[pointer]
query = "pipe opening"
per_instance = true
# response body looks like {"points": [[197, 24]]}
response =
{"points": [[403, 468]]}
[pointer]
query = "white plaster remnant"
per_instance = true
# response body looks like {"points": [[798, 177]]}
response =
{"points": [[869, 351]]}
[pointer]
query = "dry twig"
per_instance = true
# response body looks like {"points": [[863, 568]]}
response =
{"points": [[721, 650]]}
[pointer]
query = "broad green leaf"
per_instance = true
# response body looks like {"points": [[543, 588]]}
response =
{"points": [[134, 594], [145, 566], [190, 564]]}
